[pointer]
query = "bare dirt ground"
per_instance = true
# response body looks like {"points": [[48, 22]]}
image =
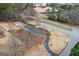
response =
{"points": [[36, 45], [37, 50], [8, 26], [58, 41]]}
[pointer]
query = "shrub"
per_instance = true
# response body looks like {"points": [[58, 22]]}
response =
{"points": [[62, 20], [47, 32], [25, 22], [55, 15], [31, 25], [75, 50], [21, 20], [51, 14]]}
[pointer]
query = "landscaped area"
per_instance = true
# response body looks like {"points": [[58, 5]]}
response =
{"points": [[37, 29]]}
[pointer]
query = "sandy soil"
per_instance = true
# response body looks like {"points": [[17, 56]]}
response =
{"points": [[57, 41], [37, 48], [8, 26]]}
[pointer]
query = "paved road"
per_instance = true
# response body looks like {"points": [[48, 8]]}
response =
{"points": [[35, 30], [47, 47], [73, 35]]}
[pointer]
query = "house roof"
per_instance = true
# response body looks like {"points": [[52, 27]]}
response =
{"points": [[39, 9]]}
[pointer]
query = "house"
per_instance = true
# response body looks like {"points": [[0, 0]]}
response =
{"points": [[41, 7], [40, 4]]}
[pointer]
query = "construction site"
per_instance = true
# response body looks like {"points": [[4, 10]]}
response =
{"points": [[37, 29]]}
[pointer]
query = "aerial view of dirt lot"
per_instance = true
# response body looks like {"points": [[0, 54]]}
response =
{"points": [[39, 29]]}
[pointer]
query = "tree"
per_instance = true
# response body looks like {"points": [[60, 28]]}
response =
{"points": [[3, 7], [12, 11], [54, 14], [58, 12]]}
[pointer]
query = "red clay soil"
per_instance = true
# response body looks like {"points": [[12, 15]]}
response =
{"points": [[33, 43], [30, 38], [2, 35]]}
